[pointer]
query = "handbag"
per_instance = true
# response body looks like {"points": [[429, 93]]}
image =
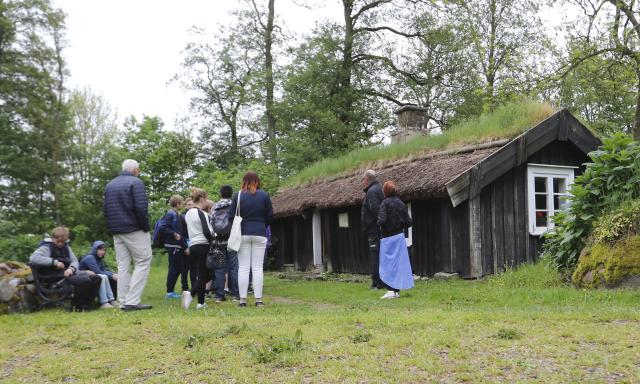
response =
{"points": [[217, 257], [235, 237]]}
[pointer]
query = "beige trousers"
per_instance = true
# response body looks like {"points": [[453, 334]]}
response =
{"points": [[134, 247]]}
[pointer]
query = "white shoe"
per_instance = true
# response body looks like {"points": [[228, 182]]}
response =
{"points": [[201, 306], [397, 295], [106, 306], [390, 295], [186, 299]]}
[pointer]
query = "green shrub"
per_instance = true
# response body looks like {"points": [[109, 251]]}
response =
{"points": [[621, 223], [18, 247], [612, 178]]}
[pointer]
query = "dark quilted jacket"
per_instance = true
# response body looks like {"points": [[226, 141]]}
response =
{"points": [[125, 204]]}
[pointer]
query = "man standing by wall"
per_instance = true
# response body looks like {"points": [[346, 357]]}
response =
{"points": [[126, 211], [369, 217]]}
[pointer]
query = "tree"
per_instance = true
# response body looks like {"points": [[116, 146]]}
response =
{"points": [[34, 119], [506, 41], [610, 29], [167, 158], [223, 79]]}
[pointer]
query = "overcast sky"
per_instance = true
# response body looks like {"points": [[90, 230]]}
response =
{"points": [[127, 50]]}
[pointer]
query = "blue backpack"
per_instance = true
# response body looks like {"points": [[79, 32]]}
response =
{"points": [[158, 238]]}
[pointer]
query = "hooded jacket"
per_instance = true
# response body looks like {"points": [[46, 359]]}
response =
{"points": [[47, 253], [172, 223], [93, 263]]}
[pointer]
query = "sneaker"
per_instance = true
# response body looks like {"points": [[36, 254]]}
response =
{"points": [[186, 299], [220, 299], [242, 305], [259, 304], [201, 306], [235, 299], [172, 295], [397, 294], [106, 306], [390, 295]]}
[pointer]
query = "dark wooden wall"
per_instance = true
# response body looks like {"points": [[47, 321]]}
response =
{"points": [[506, 241], [294, 244], [441, 233], [345, 250]]}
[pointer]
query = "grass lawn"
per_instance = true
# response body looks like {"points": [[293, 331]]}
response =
{"points": [[522, 326]]}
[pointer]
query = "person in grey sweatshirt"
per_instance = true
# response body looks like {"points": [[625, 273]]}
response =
{"points": [[54, 257]]}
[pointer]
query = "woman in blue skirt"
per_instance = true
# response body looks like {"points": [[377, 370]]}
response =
{"points": [[393, 218]]}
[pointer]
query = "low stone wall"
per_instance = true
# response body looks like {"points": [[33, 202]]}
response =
{"points": [[17, 291]]}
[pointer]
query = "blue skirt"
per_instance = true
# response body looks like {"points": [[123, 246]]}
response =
{"points": [[395, 268]]}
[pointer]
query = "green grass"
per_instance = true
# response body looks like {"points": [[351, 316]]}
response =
{"points": [[523, 326], [505, 122]]}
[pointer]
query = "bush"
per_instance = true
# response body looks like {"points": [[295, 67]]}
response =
{"points": [[612, 178], [18, 247]]}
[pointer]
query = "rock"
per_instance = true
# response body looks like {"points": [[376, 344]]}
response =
{"points": [[446, 276], [7, 290], [604, 265]]}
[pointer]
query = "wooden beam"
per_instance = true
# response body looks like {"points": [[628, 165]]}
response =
{"points": [[475, 238]]}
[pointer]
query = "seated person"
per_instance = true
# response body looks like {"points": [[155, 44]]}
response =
{"points": [[55, 257], [94, 263]]}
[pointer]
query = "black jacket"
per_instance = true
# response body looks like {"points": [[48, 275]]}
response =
{"points": [[370, 208], [125, 204], [393, 217]]}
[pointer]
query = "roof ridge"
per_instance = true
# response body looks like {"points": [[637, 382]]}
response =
{"points": [[384, 164]]}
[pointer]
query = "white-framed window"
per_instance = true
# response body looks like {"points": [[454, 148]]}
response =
{"points": [[343, 220], [547, 189]]}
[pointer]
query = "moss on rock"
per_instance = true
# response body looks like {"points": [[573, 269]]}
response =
{"points": [[608, 265]]}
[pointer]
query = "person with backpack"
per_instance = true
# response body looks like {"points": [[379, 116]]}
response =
{"points": [[200, 237], [169, 234], [222, 228], [54, 257], [252, 206]]}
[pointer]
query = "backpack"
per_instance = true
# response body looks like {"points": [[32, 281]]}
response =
{"points": [[158, 237], [220, 221]]}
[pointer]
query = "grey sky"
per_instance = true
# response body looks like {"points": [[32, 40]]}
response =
{"points": [[127, 50]]}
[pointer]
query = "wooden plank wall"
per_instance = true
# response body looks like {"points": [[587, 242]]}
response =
{"points": [[347, 248], [293, 241]]}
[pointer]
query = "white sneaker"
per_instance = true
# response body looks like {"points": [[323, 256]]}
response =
{"points": [[201, 306], [186, 299], [106, 306], [390, 295]]}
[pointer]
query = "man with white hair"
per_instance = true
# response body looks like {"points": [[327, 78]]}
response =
{"points": [[369, 217], [126, 211]]}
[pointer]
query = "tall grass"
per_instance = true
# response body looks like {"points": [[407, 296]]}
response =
{"points": [[505, 122]]}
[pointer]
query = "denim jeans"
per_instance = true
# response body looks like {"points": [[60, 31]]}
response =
{"points": [[105, 294], [176, 268], [232, 272]]}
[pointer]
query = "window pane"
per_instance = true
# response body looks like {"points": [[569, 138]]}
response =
{"points": [[559, 202], [541, 218], [541, 202], [559, 185], [541, 185]]}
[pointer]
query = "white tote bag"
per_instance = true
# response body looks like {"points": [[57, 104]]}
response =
{"points": [[235, 237]]}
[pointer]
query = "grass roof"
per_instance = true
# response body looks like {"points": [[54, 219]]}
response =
{"points": [[507, 121]]}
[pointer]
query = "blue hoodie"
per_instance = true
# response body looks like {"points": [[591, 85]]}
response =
{"points": [[93, 263]]}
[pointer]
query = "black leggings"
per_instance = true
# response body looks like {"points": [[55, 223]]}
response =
{"points": [[198, 261]]}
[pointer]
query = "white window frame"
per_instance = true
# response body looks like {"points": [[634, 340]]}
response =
{"points": [[549, 172], [409, 238]]}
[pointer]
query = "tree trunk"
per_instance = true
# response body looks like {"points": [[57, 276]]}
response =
{"points": [[347, 63], [490, 75], [271, 120]]}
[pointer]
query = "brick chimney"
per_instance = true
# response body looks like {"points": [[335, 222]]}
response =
{"points": [[411, 123]]}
